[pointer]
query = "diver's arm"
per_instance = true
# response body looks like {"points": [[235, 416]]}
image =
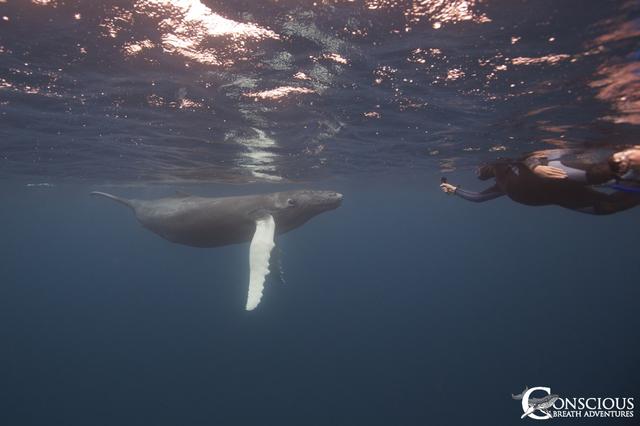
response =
{"points": [[534, 161], [545, 163], [479, 197]]}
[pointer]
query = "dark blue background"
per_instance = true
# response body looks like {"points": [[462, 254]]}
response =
{"points": [[403, 307]]}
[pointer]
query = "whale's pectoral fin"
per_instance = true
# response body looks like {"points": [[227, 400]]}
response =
{"points": [[529, 411], [259, 253]]}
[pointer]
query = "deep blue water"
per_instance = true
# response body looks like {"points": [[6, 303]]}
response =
{"points": [[403, 306]]}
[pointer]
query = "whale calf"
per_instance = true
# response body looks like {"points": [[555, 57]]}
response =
{"points": [[214, 222]]}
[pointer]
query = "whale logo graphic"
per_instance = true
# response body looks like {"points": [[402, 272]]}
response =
{"points": [[531, 406]]}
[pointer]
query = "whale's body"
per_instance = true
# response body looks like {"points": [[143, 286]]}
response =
{"points": [[214, 222]]}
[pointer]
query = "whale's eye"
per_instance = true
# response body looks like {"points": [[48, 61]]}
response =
{"points": [[291, 202]]}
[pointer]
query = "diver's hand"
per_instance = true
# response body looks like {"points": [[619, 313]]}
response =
{"points": [[549, 172], [448, 188]]}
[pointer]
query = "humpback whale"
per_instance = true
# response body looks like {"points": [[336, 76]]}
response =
{"points": [[214, 222]]}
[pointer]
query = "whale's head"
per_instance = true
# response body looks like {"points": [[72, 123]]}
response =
{"points": [[294, 208]]}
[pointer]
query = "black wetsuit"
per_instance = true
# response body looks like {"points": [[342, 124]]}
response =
{"points": [[516, 180]]}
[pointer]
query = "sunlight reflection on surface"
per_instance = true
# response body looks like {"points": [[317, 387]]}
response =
{"points": [[187, 24], [435, 11], [278, 93], [282, 88]]}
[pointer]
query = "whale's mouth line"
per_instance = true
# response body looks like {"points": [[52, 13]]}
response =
{"points": [[334, 201]]}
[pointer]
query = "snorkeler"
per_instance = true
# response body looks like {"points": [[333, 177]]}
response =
{"points": [[566, 178]]}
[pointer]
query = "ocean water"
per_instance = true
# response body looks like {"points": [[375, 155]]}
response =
{"points": [[404, 305]]}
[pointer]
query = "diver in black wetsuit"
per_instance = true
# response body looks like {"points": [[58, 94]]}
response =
{"points": [[561, 177]]}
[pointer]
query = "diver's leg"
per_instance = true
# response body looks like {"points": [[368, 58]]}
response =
{"points": [[603, 204], [617, 202]]}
